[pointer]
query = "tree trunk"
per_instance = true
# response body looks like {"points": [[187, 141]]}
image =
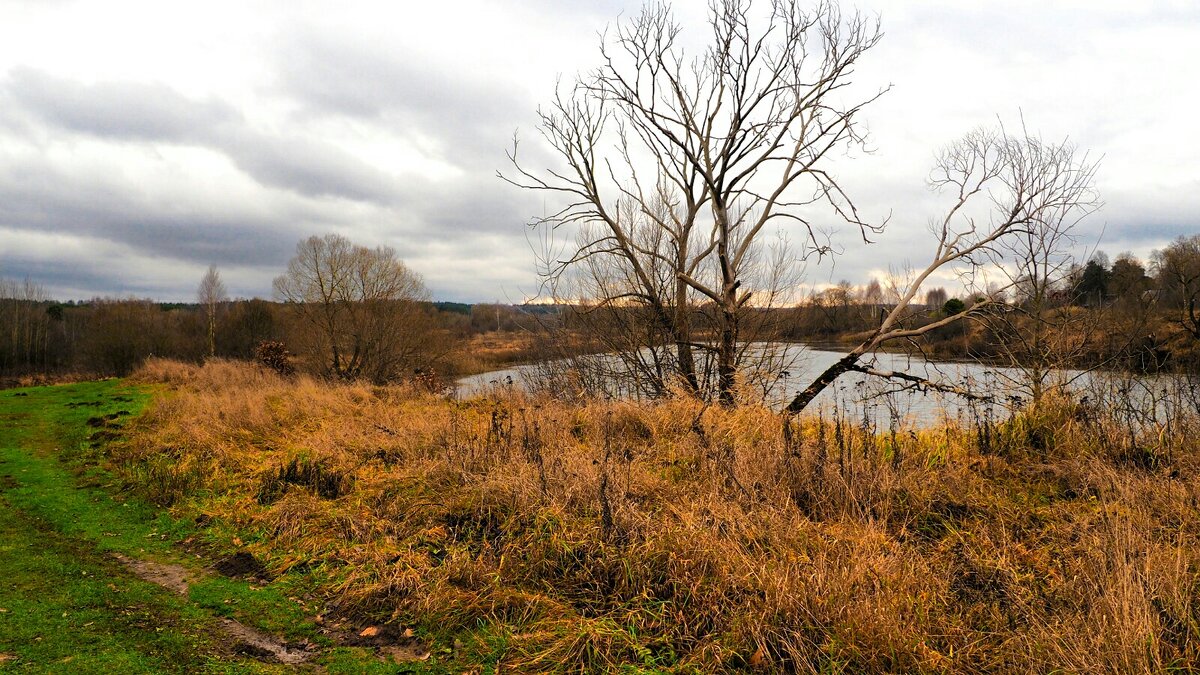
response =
{"points": [[727, 356], [687, 363], [212, 332], [727, 349], [683, 338], [804, 398]]}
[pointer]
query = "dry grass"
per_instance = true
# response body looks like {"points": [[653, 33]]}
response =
{"points": [[676, 537], [38, 379], [490, 351], [494, 350]]}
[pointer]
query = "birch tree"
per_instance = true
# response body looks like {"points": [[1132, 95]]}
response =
{"points": [[211, 295]]}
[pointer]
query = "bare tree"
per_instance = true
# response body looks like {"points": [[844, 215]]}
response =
{"points": [[1041, 333], [211, 295], [872, 294], [1028, 187], [25, 325], [120, 333], [677, 166], [246, 324], [360, 307], [935, 298], [1178, 269]]}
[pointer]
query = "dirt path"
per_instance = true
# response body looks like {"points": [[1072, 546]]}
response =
{"points": [[247, 640]]}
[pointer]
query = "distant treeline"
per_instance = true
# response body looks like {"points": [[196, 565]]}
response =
{"points": [[1124, 310], [110, 336]]}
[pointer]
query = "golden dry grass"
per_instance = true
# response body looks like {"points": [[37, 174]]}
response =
{"points": [[493, 350], [676, 537], [489, 351], [45, 379]]}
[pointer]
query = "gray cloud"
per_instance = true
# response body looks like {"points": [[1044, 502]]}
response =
{"points": [[81, 277], [467, 118], [166, 182], [421, 219], [118, 110], [45, 200], [131, 111], [308, 167]]}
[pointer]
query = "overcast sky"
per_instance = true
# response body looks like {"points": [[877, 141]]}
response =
{"points": [[142, 141]]}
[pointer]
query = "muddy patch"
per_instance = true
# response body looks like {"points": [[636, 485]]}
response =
{"points": [[242, 565], [106, 420], [248, 641], [390, 640], [173, 577], [263, 646], [104, 436], [85, 404]]}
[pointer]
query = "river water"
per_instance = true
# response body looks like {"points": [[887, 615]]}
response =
{"points": [[878, 399]]}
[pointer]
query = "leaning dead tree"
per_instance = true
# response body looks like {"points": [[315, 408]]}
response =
{"points": [[1006, 189], [675, 168]]}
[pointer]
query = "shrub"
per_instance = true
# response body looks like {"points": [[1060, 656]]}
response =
{"points": [[274, 355]]}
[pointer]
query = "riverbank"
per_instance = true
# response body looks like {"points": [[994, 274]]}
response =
{"points": [[675, 537]]}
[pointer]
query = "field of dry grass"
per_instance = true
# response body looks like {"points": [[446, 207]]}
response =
{"points": [[674, 537], [43, 379]]}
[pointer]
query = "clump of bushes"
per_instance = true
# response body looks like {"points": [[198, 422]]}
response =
{"points": [[274, 355]]}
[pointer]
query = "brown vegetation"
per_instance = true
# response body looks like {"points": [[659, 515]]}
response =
{"points": [[694, 538], [358, 310], [494, 350]]}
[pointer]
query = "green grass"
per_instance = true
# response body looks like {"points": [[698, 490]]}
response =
{"points": [[66, 605]]}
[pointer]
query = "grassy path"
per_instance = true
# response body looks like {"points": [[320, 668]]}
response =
{"points": [[66, 602]]}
